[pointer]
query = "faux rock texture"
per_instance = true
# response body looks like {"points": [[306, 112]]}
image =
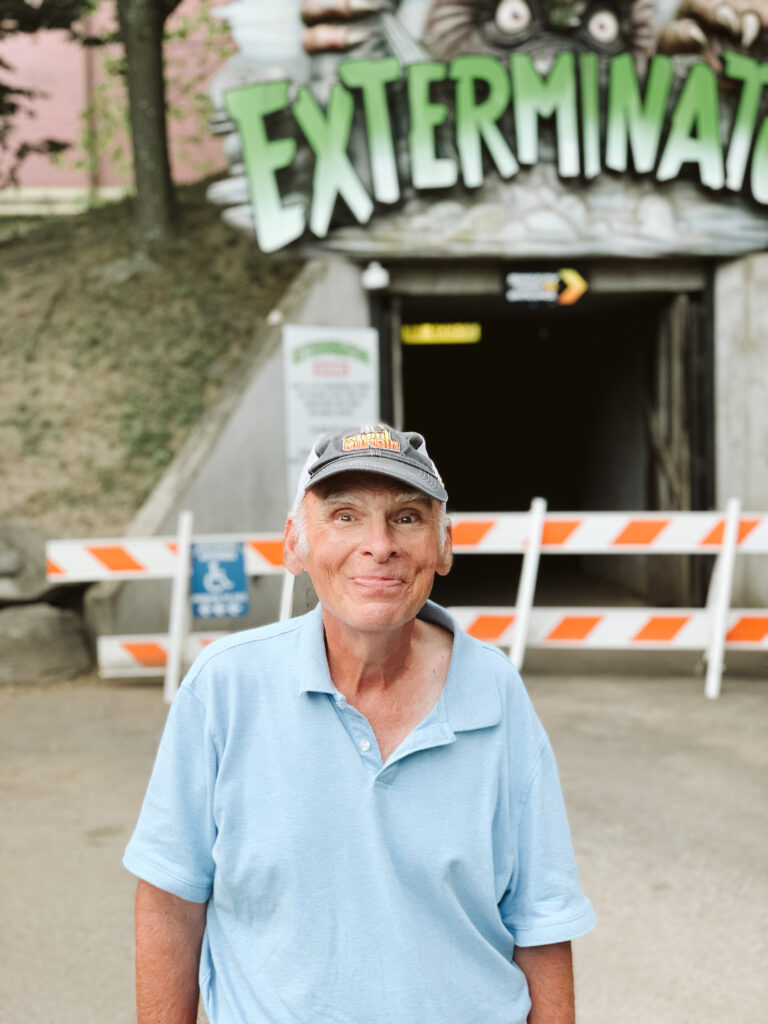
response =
{"points": [[22, 564], [41, 644]]}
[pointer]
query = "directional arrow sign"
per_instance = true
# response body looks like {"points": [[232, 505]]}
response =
{"points": [[544, 287], [575, 286]]}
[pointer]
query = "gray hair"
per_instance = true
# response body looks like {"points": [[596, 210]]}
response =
{"points": [[298, 516]]}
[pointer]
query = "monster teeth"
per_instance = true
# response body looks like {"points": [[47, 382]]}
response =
{"points": [[321, 38], [320, 10], [369, 6], [750, 28], [728, 18], [695, 34], [357, 34]]}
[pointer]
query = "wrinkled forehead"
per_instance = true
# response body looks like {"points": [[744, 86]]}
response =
{"points": [[358, 483]]}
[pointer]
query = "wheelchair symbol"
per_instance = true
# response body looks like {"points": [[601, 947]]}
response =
{"points": [[216, 580]]}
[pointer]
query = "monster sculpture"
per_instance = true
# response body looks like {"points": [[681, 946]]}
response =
{"points": [[535, 211], [453, 27], [539, 26], [707, 27]]}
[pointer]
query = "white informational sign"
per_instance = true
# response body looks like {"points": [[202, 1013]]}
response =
{"points": [[331, 382]]}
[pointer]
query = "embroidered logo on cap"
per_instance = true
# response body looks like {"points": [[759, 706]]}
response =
{"points": [[371, 439]]}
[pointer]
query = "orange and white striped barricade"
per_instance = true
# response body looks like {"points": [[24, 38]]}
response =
{"points": [[158, 558], [616, 629], [134, 657], [592, 533], [585, 533], [681, 629], [149, 558], [533, 533]]}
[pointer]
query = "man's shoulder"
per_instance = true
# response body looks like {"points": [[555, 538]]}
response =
{"points": [[488, 668], [250, 650], [482, 666], [493, 665], [492, 659]]}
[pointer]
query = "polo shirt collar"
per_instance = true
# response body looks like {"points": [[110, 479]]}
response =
{"points": [[468, 703], [313, 660]]}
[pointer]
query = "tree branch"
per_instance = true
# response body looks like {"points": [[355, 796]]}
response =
{"points": [[168, 7], [18, 16]]}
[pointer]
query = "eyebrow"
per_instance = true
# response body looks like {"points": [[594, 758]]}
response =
{"points": [[409, 497], [404, 498]]}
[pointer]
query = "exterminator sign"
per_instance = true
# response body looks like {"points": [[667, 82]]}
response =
{"points": [[605, 118]]}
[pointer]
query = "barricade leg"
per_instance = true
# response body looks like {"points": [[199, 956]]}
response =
{"points": [[719, 599], [527, 585], [286, 596], [178, 625]]}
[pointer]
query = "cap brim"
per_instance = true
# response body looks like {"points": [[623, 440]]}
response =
{"points": [[384, 466]]}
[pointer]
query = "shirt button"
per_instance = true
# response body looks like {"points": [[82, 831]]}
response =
{"points": [[365, 745], [341, 700]]}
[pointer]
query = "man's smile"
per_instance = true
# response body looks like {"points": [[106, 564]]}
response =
{"points": [[378, 582]]}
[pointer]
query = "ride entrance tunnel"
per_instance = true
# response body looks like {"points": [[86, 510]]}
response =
{"points": [[564, 404]]}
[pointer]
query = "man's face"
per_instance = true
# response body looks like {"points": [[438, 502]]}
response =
{"points": [[372, 549]]}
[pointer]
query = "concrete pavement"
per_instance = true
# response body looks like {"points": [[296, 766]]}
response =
{"points": [[667, 799]]}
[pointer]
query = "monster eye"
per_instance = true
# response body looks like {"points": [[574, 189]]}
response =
{"points": [[512, 16], [603, 26]]}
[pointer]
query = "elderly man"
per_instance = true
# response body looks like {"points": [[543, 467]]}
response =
{"points": [[355, 816]]}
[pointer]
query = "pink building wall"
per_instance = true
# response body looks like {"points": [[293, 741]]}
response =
{"points": [[64, 70], [48, 62]]}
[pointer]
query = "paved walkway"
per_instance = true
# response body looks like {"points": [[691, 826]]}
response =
{"points": [[668, 803]]}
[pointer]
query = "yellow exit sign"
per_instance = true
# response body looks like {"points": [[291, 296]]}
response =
{"points": [[441, 334]]}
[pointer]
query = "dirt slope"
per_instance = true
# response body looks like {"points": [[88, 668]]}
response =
{"points": [[107, 360]]}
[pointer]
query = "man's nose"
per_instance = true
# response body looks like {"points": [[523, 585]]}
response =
{"points": [[379, 540]]}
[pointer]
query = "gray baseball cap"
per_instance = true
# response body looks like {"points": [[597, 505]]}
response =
{"points": [[378, 448]]}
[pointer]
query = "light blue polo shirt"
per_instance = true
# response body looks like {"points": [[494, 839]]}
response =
{"points": [[346, 891]]}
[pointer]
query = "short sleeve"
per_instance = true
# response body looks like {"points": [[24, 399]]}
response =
{"points": [[544, 903], [172, 845]]}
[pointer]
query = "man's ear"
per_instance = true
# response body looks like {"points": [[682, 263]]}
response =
{"points": [[292, 559], [446, 558]]}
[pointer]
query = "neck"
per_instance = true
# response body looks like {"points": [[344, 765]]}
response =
{"points": [[363, 662]]}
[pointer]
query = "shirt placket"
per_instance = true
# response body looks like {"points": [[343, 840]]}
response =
{"points": [[360, 732], [434, 732]]}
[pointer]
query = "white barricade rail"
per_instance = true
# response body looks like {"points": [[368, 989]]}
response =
{"points": [[85, 561], [685, 629], [133, 657], [710, 630], [598, 533], [614, 629], [150, 558], [532, 534], [157, 558]]}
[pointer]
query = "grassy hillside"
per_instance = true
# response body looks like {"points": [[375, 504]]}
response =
{"points": [[107, 360]]}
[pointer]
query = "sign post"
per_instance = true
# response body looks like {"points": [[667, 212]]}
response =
{"points": [[178, 625]]}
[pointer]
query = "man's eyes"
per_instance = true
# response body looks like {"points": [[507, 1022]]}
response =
{"points": [[402, 518], [408, 517]]}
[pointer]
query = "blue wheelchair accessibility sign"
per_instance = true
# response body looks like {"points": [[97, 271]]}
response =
{"points": [[219, 585]]}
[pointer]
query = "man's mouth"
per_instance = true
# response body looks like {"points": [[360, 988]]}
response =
{"points": [[378, 582]]}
